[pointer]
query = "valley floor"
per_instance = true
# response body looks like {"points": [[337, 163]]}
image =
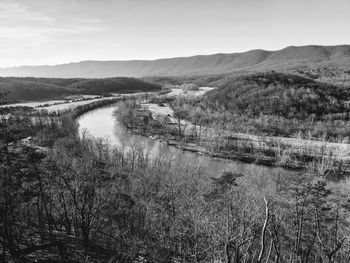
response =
{"points": [[342, 150], [296, 153]]}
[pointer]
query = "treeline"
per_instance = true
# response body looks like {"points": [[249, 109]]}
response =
{"points": [[78, 200], [189, 131], [274, 104], [217, 80], [24, 89], [327, 73]]}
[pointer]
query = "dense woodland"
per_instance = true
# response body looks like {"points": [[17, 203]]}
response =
{"points": [[273, 104], [65, 198], [24, 89]]}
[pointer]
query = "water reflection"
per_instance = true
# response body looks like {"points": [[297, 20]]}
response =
{"points": [[100, 123]]}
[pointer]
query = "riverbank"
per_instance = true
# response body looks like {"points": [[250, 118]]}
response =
{"points": [[315, 157], [257, 159]]}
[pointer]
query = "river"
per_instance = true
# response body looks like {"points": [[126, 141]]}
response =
{"points": [[100, 123]]}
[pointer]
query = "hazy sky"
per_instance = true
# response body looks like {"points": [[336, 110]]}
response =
{"points": [[34, 32]]}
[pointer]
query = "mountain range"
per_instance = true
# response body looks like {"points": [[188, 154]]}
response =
{"points": [[291, 58]]}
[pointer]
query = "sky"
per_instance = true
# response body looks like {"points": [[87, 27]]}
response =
{"points": [[49, 32]]}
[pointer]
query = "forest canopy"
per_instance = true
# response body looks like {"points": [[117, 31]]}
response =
{"points": [[24, 89]]}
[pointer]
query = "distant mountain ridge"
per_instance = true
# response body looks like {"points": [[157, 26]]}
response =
{"points": [[255, 60]]}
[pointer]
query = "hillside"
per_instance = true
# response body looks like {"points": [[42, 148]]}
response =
{"points": [[23, 89], [318, 61], [272, 104], [287, 95]]}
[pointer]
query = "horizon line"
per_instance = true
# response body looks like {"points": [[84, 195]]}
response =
{"points": [[165, 58]]}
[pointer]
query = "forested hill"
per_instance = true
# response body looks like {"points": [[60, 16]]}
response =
{"points": [[22, 89], [287, 95], [271, 104], [312, 60]]}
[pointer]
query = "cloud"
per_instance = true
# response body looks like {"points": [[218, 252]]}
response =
{"points": [[17, 23], [12, 12]]}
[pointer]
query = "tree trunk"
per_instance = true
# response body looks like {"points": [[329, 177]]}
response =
{"points": [[263, 232]]}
